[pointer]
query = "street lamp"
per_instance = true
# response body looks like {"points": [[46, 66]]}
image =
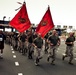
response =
{"points": [[4, 19]]}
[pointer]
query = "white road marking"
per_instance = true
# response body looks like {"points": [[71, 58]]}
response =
{"points": [[57, 51], [13, 51], [14, 56], [11, 47], [20, 73], [74, 58], [64, 54], [16, 63], [75, 53], [58, 48]]}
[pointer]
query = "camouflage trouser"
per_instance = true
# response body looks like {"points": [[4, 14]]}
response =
{"points": [[52, 52], [24, 47], [19, 46], [38, 52], [69, 52], [30, 50], [46, 47]]}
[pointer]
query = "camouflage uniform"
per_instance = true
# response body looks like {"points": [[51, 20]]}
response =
{"points": [[69, 48], [38, 51], [53, 45], [24, 44]]}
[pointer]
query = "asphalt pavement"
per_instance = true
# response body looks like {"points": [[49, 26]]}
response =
{"points": [[14, 63]]}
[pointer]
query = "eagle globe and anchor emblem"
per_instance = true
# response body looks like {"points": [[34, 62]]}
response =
{"points": [[22, 20], [43, 23]]}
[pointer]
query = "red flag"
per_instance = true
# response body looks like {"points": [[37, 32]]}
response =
{"points": [[21, 21], [46, 24]]}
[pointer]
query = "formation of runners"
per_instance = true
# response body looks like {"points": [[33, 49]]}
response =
{"points": [[35, 46]]}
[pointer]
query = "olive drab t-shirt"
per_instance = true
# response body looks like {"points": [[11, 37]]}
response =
{"points": [[30, 39], [38, 42], [23, 38], [53, 39], [70, 39]]}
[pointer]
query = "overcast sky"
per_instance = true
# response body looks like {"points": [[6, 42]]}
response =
{"points": [[63, 11]]}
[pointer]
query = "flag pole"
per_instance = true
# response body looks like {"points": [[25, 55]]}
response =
{"points": [[48, 6], [24, 2]]}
